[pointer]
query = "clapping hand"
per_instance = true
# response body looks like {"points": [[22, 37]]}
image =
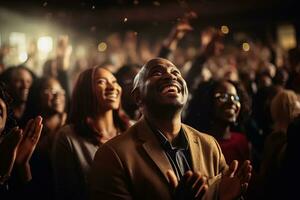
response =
{"points": [[191, 186], [235, 181], [8, 152], [31, 135]]}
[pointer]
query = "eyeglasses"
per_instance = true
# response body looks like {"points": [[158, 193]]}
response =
{"points": [[54, 92], [224, 97]]}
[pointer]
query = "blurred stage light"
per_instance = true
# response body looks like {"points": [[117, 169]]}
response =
{"points": [[23, 57], [246, 46], [102, 46], [224, 29], [45, 44], [18, 39]]}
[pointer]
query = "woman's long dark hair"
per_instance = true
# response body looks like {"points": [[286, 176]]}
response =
{"points": [[10, 121]]}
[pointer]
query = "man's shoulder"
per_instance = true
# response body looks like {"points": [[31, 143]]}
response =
{"points": [[201, 135]]}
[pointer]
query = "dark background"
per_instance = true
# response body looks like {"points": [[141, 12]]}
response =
{"points": [[92, 18]]}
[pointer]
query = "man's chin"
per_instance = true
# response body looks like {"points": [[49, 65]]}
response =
{"points": [[172, 105]]}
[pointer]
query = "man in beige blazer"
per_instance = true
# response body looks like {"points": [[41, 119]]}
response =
{"points": [[159, 157]]}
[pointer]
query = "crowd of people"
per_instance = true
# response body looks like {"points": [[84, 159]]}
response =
{"points": [[167, 122]]}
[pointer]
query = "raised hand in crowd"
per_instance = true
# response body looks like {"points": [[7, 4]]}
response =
{"points": [[8, 152], [16, 149], [31, 135], [179, 31]]}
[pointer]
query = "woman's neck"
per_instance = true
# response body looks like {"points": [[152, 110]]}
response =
{"points": [[54, 122], [221, 131], [19, 110], [104, 125]]}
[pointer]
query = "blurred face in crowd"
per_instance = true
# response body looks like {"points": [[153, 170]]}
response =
{"points": [[161, 86], [107, 89], [53, 99], [218, 47], [126, 83], [3, 114], [226, 103], [21, 82]]}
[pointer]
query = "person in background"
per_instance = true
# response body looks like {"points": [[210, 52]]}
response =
{"points": [[18, 80], [285, 107], [125, 76], [225, 105], [94, 119], [58, 67], [47, 99], [16, 148]]}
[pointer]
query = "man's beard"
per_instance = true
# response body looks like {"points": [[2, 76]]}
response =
{"points": [[160, 109]]}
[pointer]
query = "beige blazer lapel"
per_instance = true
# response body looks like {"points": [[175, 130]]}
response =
{"points": [[153, 147], [195, 149]]}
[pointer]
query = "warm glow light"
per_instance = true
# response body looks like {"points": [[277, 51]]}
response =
{"points": [[286, 35], [23, 57], [246, 46], [17, 39], [125, 19], [45, 44], [102, 46], [80, 51], [225, 29]]}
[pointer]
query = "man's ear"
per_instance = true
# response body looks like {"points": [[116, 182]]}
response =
{"points": [[137, 97]]}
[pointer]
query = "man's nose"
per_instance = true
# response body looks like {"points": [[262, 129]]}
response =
{"points": [[169, 75]]}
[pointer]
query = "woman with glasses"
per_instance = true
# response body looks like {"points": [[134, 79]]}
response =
{"points": [[47, 99], [217, 108]]}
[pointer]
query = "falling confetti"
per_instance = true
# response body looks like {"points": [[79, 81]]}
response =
{"points": [[156, 3], [136, 2]]}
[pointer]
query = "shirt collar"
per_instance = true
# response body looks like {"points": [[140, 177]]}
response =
{"points": [[183, 143]]}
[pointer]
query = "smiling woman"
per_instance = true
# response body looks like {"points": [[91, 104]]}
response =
{"points": [[216, 108], [94, 119]]}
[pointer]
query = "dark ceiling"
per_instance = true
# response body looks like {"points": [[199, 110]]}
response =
{"points": [[84, 14]]}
